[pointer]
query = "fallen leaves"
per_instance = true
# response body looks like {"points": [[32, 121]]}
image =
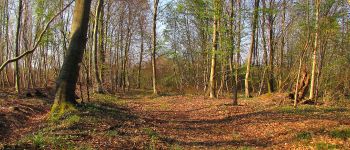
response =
{"points": [[189, 122]]}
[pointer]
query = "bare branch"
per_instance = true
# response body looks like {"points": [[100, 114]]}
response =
{"points": [[38, 41]]}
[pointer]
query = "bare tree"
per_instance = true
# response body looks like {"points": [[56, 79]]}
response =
{"points": [[99, 7], [216, 24], [314, 54], [17, 44], [252, 47]]}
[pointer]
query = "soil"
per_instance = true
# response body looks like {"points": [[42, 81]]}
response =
{"points": [[176, 122]]}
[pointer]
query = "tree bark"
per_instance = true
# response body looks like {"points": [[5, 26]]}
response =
{"points": [[17, 44], [101, 44], [67, 79], [234, 83], [141, 24], [270, 84], [99, 88], [238, 54], [252, 46], [314, 54], [283, 21], [154, 43], [211, 88]]}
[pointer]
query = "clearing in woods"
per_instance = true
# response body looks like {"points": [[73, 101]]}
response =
{"points": [[174, 122]]}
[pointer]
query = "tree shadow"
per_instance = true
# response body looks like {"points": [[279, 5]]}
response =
{"points": [[224, 143]]}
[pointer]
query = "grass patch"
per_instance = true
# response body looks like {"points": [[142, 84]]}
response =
{"points": [[307, 109], [176, 147], [304, 135], [107, 98], [245, 148], [340, 133], [112, 133], [325, 146], [70, 121], [150, 132], [299, 110], [41, 140], [153, 135]]}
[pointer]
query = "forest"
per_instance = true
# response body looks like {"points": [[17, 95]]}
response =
{"points": [[174, 74]]}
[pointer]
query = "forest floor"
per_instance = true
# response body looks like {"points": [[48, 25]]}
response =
{"points": [[139, 121]]}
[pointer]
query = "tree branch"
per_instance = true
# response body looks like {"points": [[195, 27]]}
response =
{"points": [[38, 41]]}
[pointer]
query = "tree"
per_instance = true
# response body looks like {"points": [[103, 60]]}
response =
{"points": [[238, 54], [283, 35], [154, 48], [216, 24], [252, 47], [17, 73], [315, 48], [67, 79], [95, 47], [142, 30], [270, 21], [234, 82]]}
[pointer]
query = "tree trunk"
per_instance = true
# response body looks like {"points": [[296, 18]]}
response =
{"points": [[154, 43], [95, 49], [265, 59], [270, 84], [238, 55], [141, 51], [101, 44], [211, 88], [314, 55], [252, 46], [234, 83], [67, 79], [282, 45], [17, 73]]}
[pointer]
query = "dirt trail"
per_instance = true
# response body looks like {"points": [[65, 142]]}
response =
{"points": [[181, 122], [196, 122]]}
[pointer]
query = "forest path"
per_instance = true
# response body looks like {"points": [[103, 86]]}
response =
{"points": [[187, 122], [193, 122]]}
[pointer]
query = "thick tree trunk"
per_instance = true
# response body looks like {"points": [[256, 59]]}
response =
{"points": [[67, 79]]}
